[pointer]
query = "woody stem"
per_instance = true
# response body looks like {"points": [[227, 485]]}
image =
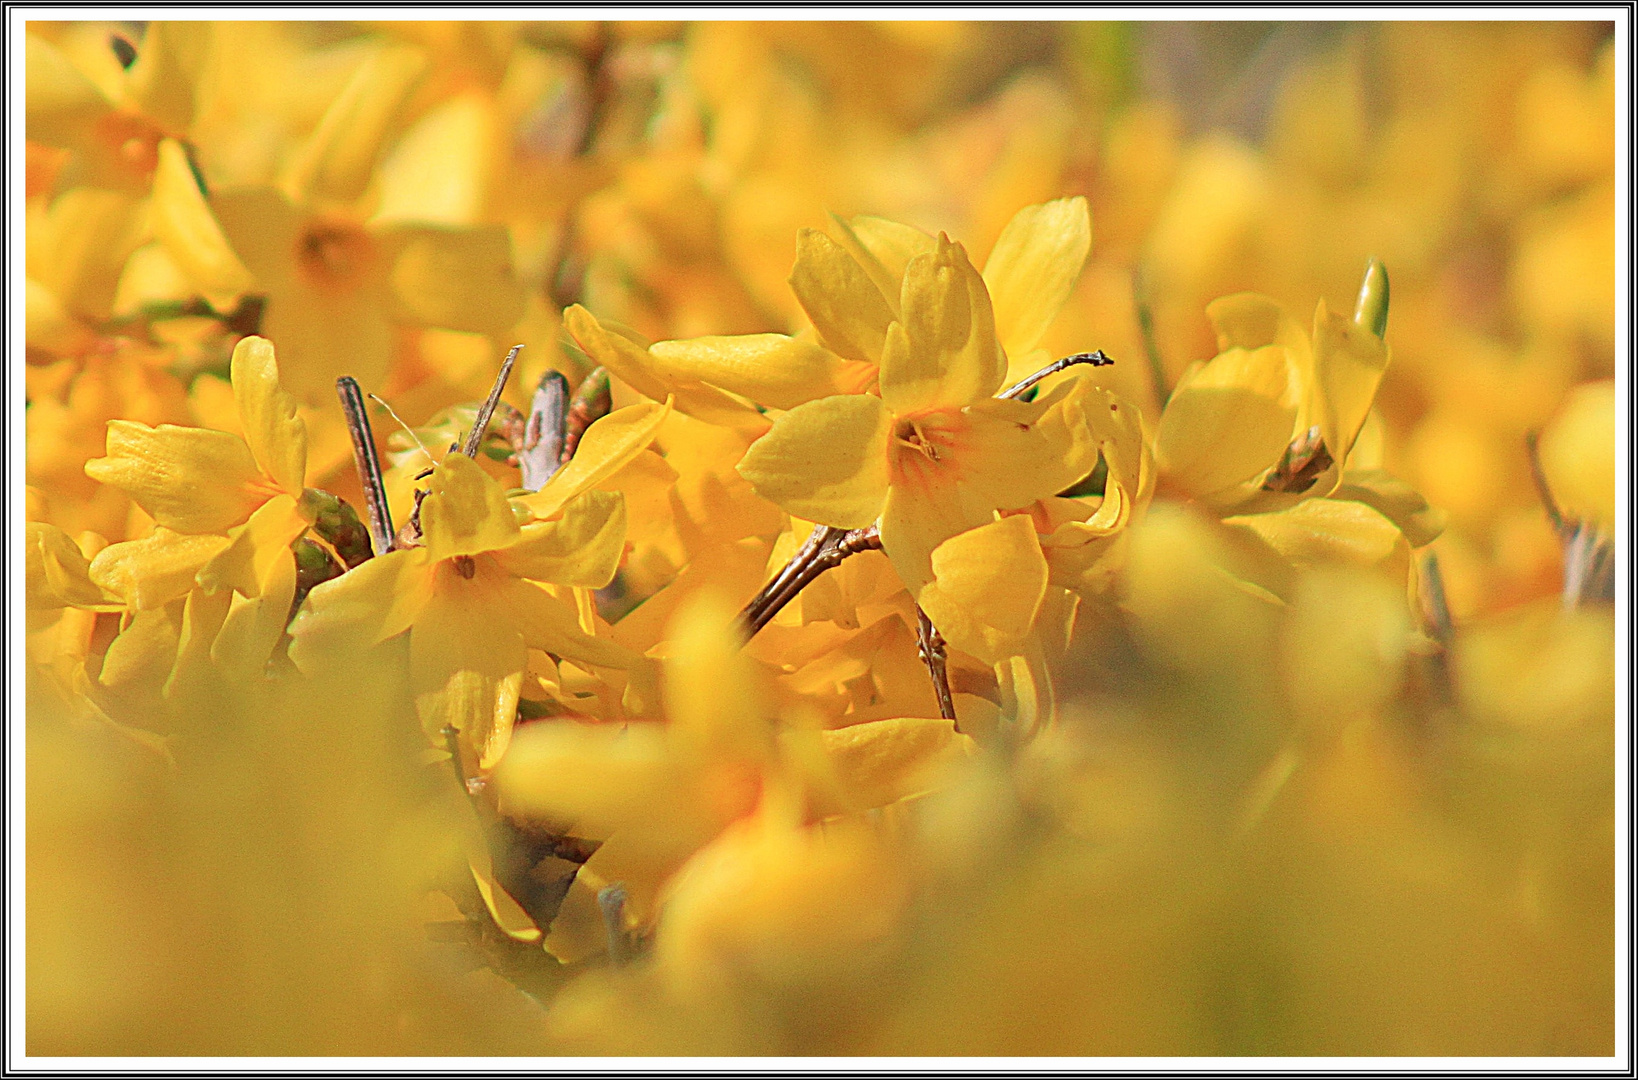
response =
{"points": [[930, 645], [475, 437], [1096, 358], [825, 549], [367, 463]]}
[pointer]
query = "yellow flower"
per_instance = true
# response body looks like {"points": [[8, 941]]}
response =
{"points": [[469, 595]]}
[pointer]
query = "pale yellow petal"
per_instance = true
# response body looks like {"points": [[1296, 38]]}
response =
{"points": [[942, 353], [1348, 364], [156, 569], [467, 659], [256, 546], [1227, 423], [1033, 268], [608, 445], [987, 587], [841, 300], [582, 547], [459, 279], [164, 80], [255, 625], [825, 461], [918, 517], [465, 512], [61, 103], [58, 573], [594, 778], [370, 603], [338, 159], [276, 435], [192, 480], [891, 244], [1316, 532], [183, 222], [883, 761], [771, 369]]}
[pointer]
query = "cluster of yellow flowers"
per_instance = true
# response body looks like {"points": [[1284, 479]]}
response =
{"points": [[917, 680]]}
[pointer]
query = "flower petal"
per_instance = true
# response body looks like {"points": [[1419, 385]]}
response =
{"points": [[583, 547], [883, 761], [276, 435], [1320, 531], [467, 659], [841, 300], [1348, 364], [192, 480], [459, 279], [943, 352], [891, 244], [58, 573], [1226, 422], [337, 161], [1033, 268], [987, 587], [918, 517], [255, 624], [825, 461], [370, 603], [182, 221], [256, 546], [771, 369], [608, 445], [466, 512], [155, 570]]}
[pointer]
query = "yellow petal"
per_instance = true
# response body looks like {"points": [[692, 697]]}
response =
{"points": [[987, 587], [713, 703], [1316, 532], [1578, 453], [1013, 453], [1395, 500], [184, 224], [155, 570], [844, 305], [891, 244], [338, 159], [552, 625], [632, 364], [370, 603], [467, 659], [825, 461], [1348, 364], [771, 369], [276, 435], [886, 281], [167, 70], [918, 517], [608, 445], [1033, 268], [255, 625], [883, 761], [1251, 321], [256, 547], [58, 574], [192, 480], [595, 778], [61, 103], [942, 352], [459, 279], [466, 512], [1226, 423], [583, 547]]}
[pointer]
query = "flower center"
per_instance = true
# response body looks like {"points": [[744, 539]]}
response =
{"points": [[333, 253]]}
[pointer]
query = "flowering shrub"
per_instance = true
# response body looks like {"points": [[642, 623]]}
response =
{"points": [[890, 652]]}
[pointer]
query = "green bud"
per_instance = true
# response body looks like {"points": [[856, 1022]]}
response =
{"points": [[1371, 311]]}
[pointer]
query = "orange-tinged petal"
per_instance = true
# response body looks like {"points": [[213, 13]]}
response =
{"points": [[277, 437], [370, 603], [467, 659], [987, 587], [182, 221], [192, 480], [771, 369], [608, 446], [844, 305], [167, 70], [942, 352], [466, 512], [582, 547], [916, 518], [1226, 422], [155, 570], [883, 761], [825, 461], [1033, 268]]}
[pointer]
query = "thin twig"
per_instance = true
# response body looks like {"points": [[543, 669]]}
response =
{"points": [[1532, 449], [1151, 344], [1440, 625], [367, 463], [481, 424], [834, 546], [1096, 358], [930, 647]]}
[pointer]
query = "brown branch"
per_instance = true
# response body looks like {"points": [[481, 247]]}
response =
{"points": [[1096, 358], [930, 647], [481, 424], [825, 549], [367, 463], [1532, 449]]}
